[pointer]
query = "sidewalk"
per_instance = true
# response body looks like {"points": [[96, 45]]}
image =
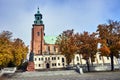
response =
{"points": [[85, 76]]}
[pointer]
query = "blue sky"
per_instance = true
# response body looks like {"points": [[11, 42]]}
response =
{"points": [[17, 16]]}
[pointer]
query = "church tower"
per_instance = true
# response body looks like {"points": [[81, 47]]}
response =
{"points": [[37, 41]]}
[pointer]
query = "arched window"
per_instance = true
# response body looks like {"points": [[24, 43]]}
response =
{"points": [[38, 33], [49, 48], [62, 59], [77, 58], [37, 18]]}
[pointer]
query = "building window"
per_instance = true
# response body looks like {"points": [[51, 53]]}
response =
{"points": [[39, 59], [39, 65], [58, 64], [78, 63], [58, 58], [100, 57], [107, 58], [48, 58], [52, 64], [62, 59], [38, 33], [63, 64], [55, 64], [77, 58], [52, 58], [42, 59]]}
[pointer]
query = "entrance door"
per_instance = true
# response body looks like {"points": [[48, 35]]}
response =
{"points": [[47, 65]]}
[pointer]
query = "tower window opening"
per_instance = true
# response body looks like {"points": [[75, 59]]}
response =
{"points": [[38, 33], [37, 18]]}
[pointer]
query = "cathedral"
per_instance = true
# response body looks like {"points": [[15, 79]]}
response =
{"points": [[46, 54]]}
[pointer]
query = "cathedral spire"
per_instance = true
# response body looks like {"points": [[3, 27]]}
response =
{"points": [[38, 18]]}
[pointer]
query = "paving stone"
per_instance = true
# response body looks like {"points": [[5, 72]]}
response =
{"points": [[74, 76]]}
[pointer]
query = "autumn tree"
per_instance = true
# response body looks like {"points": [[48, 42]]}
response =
{"points": [[87, 46], [12, 52], [109, 34], [66, 44], [19, 51], [5, 48]]}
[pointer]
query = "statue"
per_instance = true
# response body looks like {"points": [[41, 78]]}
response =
{"points": [[30, 66], [31, 56]]}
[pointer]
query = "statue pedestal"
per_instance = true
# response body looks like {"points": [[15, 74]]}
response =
{"points": [[30, 66]]}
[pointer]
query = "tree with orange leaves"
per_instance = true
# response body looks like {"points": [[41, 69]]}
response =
{"points": [[66, 44], [109, 34], [87, 46]]}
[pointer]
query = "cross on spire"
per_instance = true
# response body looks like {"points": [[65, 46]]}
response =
{"points": [[38, 10]]}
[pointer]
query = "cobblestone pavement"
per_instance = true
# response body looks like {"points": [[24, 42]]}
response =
{"points": [[85, 76]]}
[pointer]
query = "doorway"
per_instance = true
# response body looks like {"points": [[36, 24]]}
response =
{"points": [[47, 65]]}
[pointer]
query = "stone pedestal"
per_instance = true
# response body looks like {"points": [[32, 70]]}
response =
{"points": [[30, 66], [79, 70]]}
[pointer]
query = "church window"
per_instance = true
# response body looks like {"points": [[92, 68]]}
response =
{"points": [[38, 33], [49, 48], [37, 18], [40, 21]]}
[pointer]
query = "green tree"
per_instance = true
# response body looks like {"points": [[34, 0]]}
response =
{"points": [[110, 35]]}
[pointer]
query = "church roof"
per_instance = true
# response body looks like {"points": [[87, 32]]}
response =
{"points": [[50, 39]]}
